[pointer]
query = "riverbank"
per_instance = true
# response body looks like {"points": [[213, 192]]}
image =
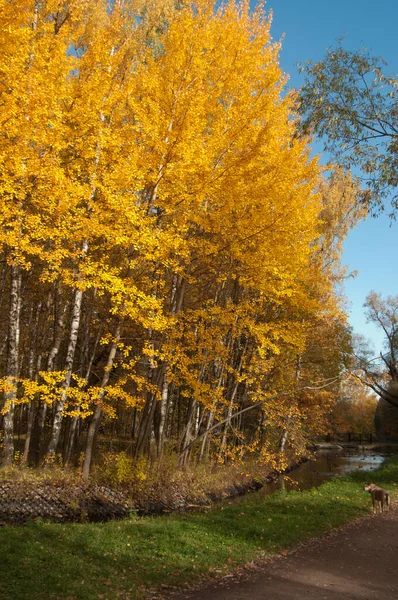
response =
{"points": [[62, 496], [129, 559]]}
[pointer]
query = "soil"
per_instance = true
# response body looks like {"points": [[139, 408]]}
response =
{"points": [[358, 561]]}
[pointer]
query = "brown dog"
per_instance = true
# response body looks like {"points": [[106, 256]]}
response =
{"points": [[379, 496]]}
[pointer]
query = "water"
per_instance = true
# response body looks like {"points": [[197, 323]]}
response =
{"points": [[326, 465]]}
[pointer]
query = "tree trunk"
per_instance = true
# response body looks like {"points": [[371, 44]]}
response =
{"points": [[205, 437], [178, 289], [31, 419], [12, 364], [71, 438], [134, 423], [186, 440], [187, 433], [163, 413], [145, 424], [58, 413], [33, 374], [92, 430], [231, 402], [75, 420], [289, 420], [283, 440], [51, 364]]}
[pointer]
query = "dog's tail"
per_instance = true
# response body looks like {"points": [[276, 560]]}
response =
{"points": [[388, 499]]}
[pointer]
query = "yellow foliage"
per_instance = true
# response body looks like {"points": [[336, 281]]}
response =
{"points": [[149, 154], [121, 469]]}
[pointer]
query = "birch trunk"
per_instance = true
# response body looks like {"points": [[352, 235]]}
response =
{"points": [[74, 331], [12, 364], [210, 419], [163, 412], [178, 289], [75, 420], [228, 420], [155, 376], [186, 441], [187, 433], [145, 426], [31, 419], [51, 364], [71, 438], [32, 374], [205, 437]]}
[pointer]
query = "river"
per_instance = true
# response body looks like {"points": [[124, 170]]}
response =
{"points": [[328, 464]]}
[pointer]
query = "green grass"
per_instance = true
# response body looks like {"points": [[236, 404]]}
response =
{"points": [[123, 559]]}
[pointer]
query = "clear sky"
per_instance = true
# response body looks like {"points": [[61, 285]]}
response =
{"points": [[308, 28]]}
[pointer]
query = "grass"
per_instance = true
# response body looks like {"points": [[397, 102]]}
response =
{"points": [[127, 558]]}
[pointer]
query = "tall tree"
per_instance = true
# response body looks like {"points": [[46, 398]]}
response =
{"points": [[152, 175], [380, 373], [351, 102]]}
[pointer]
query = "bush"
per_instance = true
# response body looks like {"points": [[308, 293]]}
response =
{"points": [[119, 469]]}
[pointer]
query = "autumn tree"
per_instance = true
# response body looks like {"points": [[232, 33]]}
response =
{"points": [[355, 410], [170, 250], [32, 47]]}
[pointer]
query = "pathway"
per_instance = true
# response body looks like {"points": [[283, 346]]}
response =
{"points": [[357, 562]]}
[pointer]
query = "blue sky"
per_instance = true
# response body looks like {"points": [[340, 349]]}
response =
{"points": [[309, 27]]}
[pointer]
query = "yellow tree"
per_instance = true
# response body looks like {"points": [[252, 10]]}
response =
{"points": [[322, 360], [34, 44], [158, 182], [221, 166], [62, 67]]}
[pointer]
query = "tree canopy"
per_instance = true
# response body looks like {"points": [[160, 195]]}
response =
{"points": [[351, 102], [170, 251]]}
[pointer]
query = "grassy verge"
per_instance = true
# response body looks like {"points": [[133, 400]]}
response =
{"points": [[124, 559]]}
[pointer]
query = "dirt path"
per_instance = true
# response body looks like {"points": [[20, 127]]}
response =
{"points": [[360, 561]]}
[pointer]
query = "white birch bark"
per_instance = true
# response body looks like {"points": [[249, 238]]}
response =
{"points": [[74, 331], [75, 420], [12, 364], [163, 412], [32, 375], [51, 361], [211, 418]]}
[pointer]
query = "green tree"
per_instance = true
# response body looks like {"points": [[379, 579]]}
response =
{"points": [[352, 104]]}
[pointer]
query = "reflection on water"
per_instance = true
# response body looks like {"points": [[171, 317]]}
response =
{"points": [[327, 464]]}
